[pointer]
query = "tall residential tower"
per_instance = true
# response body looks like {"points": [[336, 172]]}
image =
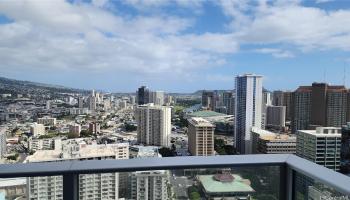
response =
{"points": [[248, 110], [153, 125]]}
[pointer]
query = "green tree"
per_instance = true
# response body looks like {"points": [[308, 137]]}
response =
{"points": [[72, 135], [13, 157], [166, 152], [85, 133], [130, 127], [195, 196]]}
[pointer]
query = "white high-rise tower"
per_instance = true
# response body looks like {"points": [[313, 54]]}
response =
{"points": [[153, 124], [248, 107]]}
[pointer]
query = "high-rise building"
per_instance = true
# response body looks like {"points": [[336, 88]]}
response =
{"points": [[277, 98], [47, 121], [276, 117], [319, 105], [301, 108], [91, 186], [169, 100], [287, 101], [132, 100], [157, 97], [267, 101], [281, 98], [3, 146], [92, 103], [200, 137], [80, 102], [149, 185], [267, 142], [153, 124], [248, 110], [48, 105], [321, 146], [229, 102], [209, 100], [37, 129], [143, 94]]}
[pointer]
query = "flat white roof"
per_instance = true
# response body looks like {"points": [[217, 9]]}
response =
{"points": [[89, 151], [268, 135], [6, 182], [198, 121], [324, 132]]}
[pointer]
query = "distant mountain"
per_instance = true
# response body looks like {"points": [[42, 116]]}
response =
{"points": [[14, 86]]}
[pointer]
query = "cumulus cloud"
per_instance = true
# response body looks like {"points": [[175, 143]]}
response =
{"points": [[61, 35], [88, 36], [277, 53], [147, 4], [323, 1], [288, 22]]}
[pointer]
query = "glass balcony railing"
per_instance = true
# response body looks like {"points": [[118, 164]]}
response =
{"points": [[242, 177]]}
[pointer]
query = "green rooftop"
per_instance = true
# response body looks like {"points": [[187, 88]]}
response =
{"points": [[206, 113], [238, 185]]}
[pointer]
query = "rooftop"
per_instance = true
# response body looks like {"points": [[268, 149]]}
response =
{"points": [[198, 121], [71, 152], [324, 131], [206, 113], [249, 75], [237, 185], [268, 135]]}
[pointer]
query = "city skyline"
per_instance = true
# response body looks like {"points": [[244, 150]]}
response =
{"points": [[175, 46], [175, 99]]}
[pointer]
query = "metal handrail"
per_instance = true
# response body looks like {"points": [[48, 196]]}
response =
{"points": [[336, 180], [326, 176], [141, 164]]}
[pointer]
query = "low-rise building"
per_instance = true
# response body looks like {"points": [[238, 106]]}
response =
{"points": [[267, 142], [94, 127], [37, 129], [75, 130], [44, 144], [92, 186], [13, 188], [79, 111], [47, 121], [225, 186]]}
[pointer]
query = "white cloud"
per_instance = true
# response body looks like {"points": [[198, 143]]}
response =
{"points": [[59, 35], [146, 4], [288, 22], [277, 53], [323, 1], [219, 78]]}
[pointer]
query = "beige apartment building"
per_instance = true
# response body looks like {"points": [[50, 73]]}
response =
{"points": [[200, 137]]}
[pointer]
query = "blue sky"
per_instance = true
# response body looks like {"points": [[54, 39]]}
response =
{"points": [[175, 45]]}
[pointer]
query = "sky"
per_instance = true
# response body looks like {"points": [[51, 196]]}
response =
{"points": [[175, 45]]}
